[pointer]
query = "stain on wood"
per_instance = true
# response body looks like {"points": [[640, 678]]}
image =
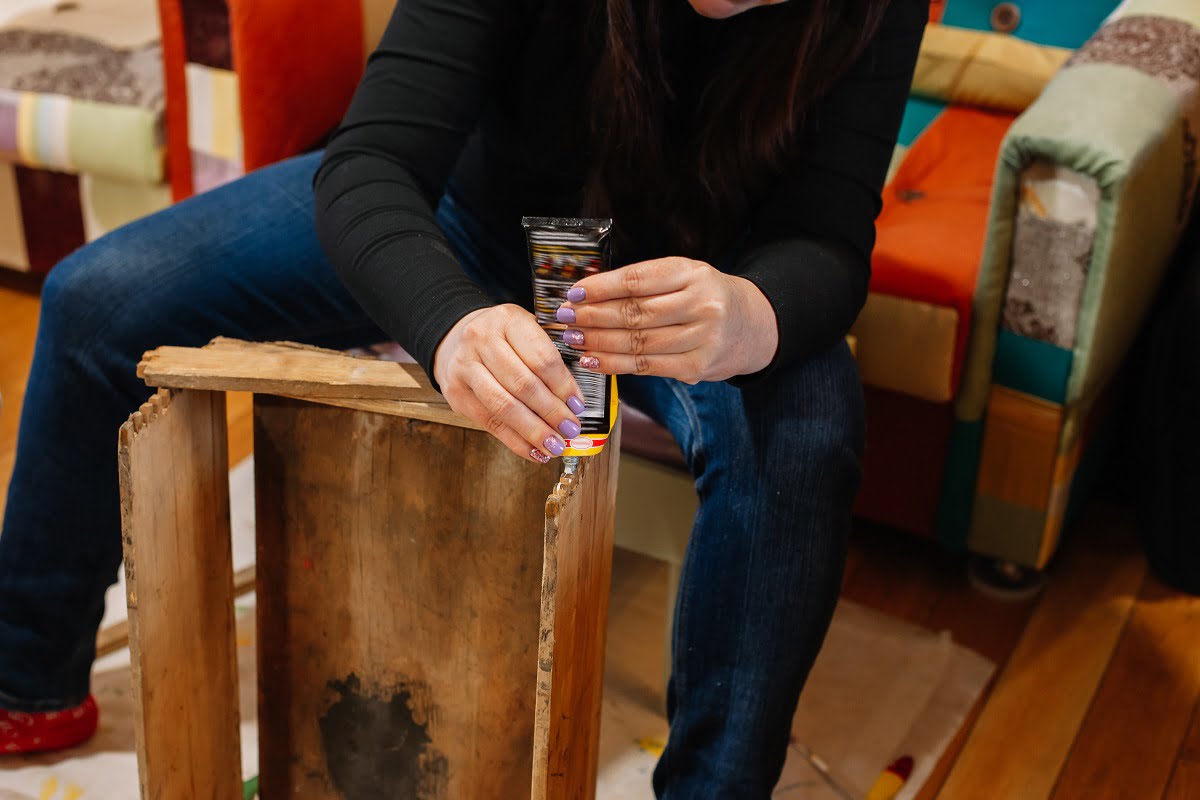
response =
{"points": [[377, 743]]}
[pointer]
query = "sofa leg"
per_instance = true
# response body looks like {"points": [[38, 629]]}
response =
{"points": [[1004, 580]]}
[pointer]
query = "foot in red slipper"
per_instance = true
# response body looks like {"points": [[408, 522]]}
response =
{"points": [[40, 731]]}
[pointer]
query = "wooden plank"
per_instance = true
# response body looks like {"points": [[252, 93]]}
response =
{"points": [[1133, 732], [1190, 749], [1185, 782], [576, 575], [179, 573], [429, 412], [116, 636], [1021, 740], [1020, 444], [399, 573], [284, 368]]}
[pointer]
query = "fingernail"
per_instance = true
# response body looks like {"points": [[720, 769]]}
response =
{"points": [[576, 294], [589, 362], [569, 428], [554, 445], [575, 404], [539, 456], [572, 336], [565, 315]]}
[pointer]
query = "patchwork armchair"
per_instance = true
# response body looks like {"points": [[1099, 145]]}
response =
{"points": [[1046, 162]]}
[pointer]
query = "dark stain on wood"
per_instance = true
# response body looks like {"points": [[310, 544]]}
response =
{"points": [[377, 742]]}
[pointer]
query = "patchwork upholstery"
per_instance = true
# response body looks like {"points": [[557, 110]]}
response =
{"points": [[1026, 221], [81, 124]]}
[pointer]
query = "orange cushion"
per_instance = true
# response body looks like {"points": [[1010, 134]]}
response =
{"points": [[933, 224]]}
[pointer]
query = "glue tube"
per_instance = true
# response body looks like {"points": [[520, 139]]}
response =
{"points": [[563, 251]]}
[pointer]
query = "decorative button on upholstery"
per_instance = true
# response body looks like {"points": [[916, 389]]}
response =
{"points": [[1006, 17]]}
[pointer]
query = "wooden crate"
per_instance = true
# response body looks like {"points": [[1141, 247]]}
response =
{"points": [[431, 609]]}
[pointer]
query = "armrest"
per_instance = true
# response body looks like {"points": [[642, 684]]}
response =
{"points": [[1120, 123], [251, 82]]}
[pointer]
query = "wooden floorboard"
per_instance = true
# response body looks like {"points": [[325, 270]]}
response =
{"points": [[1185, 782], [1021, 739], [1131, 737]]}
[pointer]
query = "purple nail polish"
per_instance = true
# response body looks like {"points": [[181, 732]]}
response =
{"points": [[539, 456], [554, 445], [576, 294], [573, 337], [589, 362], [565, 315], [575, 404], [569, 428]]}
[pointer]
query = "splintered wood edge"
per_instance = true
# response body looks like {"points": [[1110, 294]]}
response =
{"points": [[557, 500], [146, 413]]}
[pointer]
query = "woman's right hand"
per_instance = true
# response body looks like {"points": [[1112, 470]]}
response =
{"points": [[499, 368]]}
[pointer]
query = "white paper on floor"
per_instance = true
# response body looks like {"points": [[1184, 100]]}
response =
{"points": [[880, 689]]}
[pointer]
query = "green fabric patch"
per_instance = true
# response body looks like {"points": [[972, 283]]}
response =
{"points": [[1006, 531], [250, 789], [110, 204], [1083, 122], [919, 114], [1061, 23], [1033, 367], [119, 142], [959, 476]]}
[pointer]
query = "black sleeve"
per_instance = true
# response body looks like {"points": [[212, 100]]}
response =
{"points": [[810, 244], [386, 167]]}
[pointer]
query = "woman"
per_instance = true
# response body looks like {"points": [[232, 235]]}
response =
{"points": [[741, 151]]}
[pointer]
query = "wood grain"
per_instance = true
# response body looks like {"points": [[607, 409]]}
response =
{"points": [[1021, 740], [429, 412], [1185, 782], [283, 368], [1130, 740], [1020, 443], [116, 636], [179, 573], [576, 575], [399, 574]]}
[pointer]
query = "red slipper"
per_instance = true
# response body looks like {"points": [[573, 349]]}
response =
{"points": [[39, 731]]}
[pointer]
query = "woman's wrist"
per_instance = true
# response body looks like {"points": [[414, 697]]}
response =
{"points": [[760, 327]]}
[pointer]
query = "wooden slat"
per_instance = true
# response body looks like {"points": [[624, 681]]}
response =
{"points": [[116, 636], [1020, 443], [1133, 732], [179, 574], [429, 412], [1021, 740], [284, 368], [399, 572], [576, 576]]}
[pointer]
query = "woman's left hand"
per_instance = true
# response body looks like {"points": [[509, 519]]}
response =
{"points": [[674, 317]]}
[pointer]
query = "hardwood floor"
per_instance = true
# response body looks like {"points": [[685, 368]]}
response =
{"points": [[1098, 691]]}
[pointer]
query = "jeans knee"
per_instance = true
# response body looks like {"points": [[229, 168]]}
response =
{"points": [[89, 301]]}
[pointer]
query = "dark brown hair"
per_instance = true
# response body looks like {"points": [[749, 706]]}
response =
{"points": [[683, 193]]}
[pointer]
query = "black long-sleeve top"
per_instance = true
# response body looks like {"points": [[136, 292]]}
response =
{"points": [[493, 93]]}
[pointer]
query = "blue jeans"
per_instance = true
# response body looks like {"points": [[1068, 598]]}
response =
{"points": [[776, 466]]}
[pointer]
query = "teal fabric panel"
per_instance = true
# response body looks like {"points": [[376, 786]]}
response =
{"points": [[958, 484], [918, 114], [1027, 365], [1061, 23]]}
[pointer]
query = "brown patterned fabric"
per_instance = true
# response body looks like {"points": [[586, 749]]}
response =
{"points": [[206, 26], [45, 62], [52, 215], [1165, 48], [1050, 266]]}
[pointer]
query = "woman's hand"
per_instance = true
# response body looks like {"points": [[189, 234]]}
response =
{"points": [[498, 367], [673, 317]]}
